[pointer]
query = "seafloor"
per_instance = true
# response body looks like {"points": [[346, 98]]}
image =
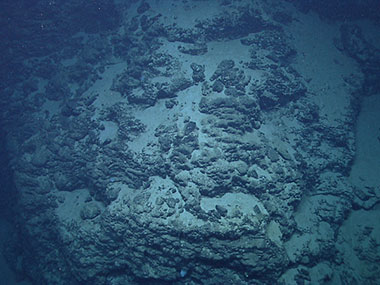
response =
{"points": [[190, 142]]}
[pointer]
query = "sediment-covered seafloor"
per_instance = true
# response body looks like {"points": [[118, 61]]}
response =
{"points": [[191, 142]]}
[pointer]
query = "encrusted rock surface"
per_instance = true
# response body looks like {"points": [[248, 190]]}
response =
{"points": [[158, 157]]}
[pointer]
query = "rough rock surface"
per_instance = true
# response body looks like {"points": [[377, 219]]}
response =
{"points": [[153, 159]]}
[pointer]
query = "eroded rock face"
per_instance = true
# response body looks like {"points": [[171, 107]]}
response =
{"points": [[152, 158]]}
